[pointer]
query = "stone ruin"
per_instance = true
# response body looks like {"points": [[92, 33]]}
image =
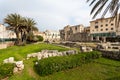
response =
{"points": [[111, 54], [85, 49], [9, 60], [103, 46], [50, 53], [108, 46], [19, 66], [109, 50]]}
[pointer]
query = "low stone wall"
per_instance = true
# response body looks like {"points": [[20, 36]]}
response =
{"points": [[10, 43], [50, 53], [111, 54], [3, 46], [6, 44], [70, 44]]}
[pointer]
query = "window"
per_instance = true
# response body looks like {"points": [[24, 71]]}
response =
{"points": [[96, 22], [106, 25], [96, 26], [101, 25], [101, 29], [111, 28], [75, 28], [93, 30], [69, 33], [106, 29], [112, 24]]}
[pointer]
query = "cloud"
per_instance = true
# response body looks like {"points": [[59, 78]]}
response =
{"points": [[49, 14]]}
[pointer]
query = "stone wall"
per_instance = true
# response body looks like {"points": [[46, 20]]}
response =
{"points": [[2, 46], [111, 54], [80, 37], [50, 53], [6, 44], [69, 32]]}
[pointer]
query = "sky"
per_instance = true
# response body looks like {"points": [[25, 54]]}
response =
{"points": [[49, 14]]}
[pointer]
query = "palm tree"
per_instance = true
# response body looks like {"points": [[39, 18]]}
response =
{"points": [[35, 28], [105, 6], [22, 26], [15, 21], [30, 27]]}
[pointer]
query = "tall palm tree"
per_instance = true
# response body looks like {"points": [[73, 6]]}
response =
{"points": [[15, 21], [22, 26], [104, 6], [30, 27]]}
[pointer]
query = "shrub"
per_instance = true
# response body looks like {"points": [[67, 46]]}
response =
{"points": [[54, 64], [6, 70], [40, 38]]}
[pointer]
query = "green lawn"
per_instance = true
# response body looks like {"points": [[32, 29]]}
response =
{"points": [[20, 52], [100, 69]]}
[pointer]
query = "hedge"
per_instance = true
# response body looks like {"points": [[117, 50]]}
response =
{"points": [[40, 38], [6, 70], [54, 64]]}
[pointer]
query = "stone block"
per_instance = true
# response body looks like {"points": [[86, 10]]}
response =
{"points": [[11, 59], [15, 70], [5, 61], [19, 64]]}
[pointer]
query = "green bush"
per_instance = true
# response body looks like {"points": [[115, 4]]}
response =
{"points": [[40, 38], [54, 64], [6, 70]]}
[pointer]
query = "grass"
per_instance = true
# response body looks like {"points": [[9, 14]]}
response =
{"points": [[99, 69], [20, 52]]}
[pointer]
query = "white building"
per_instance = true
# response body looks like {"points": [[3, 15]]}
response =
{"points": [[2, 31], [6, 34], [51, 35]]}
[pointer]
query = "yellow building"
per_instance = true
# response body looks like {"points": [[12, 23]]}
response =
{"points": [[104, 27]]}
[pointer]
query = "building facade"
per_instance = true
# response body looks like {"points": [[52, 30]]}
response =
{"points": [[6, 34], [51, 35], [103, 28], [2, 31], [75, 33], [87, 29]]}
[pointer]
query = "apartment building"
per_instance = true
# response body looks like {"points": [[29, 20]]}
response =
{"points": [[103, 28], [51, 35]]}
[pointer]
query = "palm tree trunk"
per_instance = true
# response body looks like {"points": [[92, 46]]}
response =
{"points": [[18, 39]]}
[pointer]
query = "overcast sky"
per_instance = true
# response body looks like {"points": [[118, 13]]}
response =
{"points": [[49, 14]]}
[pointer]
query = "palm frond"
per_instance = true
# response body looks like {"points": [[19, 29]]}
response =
{"points": [[105, 6]]}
